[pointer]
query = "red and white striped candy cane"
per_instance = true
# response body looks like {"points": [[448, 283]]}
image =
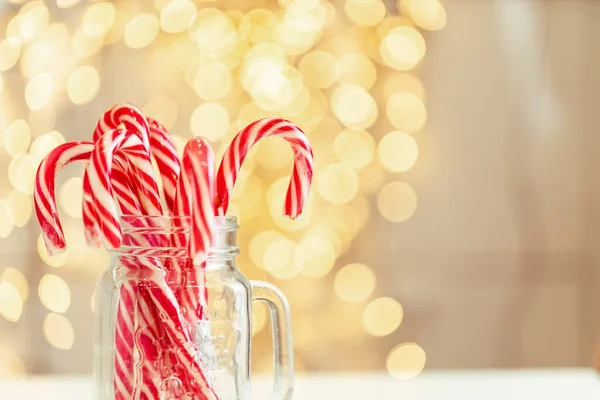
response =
{"points": [[128, 115], [299, 186], [154, 137], [98, 172], [46, 211], [44, 191], [165, 154], [97, 179], [195, 198]]}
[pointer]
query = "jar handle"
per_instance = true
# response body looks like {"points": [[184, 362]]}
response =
{"points": [[283, 350]]}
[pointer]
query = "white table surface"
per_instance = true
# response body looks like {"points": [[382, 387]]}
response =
{"points": [[554, 384]]}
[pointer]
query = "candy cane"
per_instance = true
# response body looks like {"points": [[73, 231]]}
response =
{"points": [[155, 138], [46, 211], [97, 178], [128, 115], [299, 185], [127, 335], [164, 152], [98, 172], [44, 191], [195, 198]]}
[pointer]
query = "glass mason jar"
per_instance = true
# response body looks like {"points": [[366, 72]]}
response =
{"points": [[137, 352]]}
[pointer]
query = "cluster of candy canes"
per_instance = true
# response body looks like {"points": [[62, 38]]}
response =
{"points": [[119, 185]]}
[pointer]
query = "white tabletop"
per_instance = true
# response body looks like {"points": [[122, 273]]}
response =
{"points": [[555, 384]]}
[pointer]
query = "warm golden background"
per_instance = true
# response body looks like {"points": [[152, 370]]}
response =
{"points": [[453, 219]]}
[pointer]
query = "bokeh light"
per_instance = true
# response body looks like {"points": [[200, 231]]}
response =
{"points": [[7, 219], [219, 84], [48, 54], [11, 303], [70, 195], [318, 69], [315, 255], [58, 331], [98, 19], [337, 183], [402, 48], [398, 151], [21, 173], [406, 112], [397, 201], [403, 82], [21, 206], [354, 148], [278, 259], [214, 34], [39, 91], [382, 316], [66, 3], [210, 120], [11, 365], [354, 283], [43, 144], [177, 16], [54, 293], [16, 278], [406, 361], [141, 30], [365, 12], [259, 244], [83, 84], [84, 45], [10, 51], [30, 22], [17, 137], [355, 69], [427, 14], [354, 106]]}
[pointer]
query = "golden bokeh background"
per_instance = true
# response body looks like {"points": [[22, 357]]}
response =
{"points": [[347, 72], [205, 69]]}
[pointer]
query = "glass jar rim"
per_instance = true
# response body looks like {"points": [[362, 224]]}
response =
{"points": [[221, 223]]}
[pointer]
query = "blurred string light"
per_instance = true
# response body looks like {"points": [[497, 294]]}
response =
{"points": [[17, 137], [11, 302], [11, 365], [398, 151], [342, 72], [66, 3], [54, 293], [39, 91], [141, 30], [354, 283], [83, 84], [210, 120], [98, 19], [382, 316], [406, 361], [58, 331], [10, 51], [21, 207], [16, 278]]}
